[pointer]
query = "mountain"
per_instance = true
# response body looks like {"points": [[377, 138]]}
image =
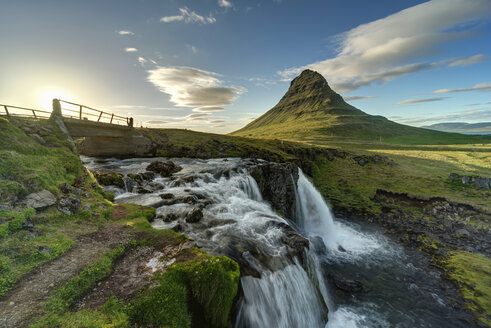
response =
{"points": [[310, 109], [462, 127]]}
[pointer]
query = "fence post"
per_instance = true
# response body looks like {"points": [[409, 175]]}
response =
{"points": [[6, 110], [80, 115], [112, 118], [34, 113], [99, 117]]}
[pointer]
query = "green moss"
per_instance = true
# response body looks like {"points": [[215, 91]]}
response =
{"points": [[202, 289], [472, 273], [163, 306], [111, 315]]}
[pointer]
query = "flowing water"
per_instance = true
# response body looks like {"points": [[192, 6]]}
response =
{"points": [[282, 289]]}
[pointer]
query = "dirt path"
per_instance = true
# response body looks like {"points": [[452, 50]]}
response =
{"points": [[23, 302]]}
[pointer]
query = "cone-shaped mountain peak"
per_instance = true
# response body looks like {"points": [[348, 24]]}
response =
{"points": [[310, 110], [308, 80], [311, 87]]}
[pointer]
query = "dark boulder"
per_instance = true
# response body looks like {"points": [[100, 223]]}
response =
{"points": [[68, 205], [346, 285], [109, 179], [194, 215], [165, 169], [65, 188]]}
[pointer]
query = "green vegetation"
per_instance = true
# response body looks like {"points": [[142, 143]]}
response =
{"points": [[15, 220], [111, 315], [419, 174], [312, 110], [186, 143], [27, 166], [472, 273], [64, 296]]}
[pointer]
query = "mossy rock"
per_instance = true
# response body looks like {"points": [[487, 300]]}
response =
{"points": [[200, 292]]}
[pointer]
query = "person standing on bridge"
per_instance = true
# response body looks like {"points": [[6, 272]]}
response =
{"points": [[130, 122]]}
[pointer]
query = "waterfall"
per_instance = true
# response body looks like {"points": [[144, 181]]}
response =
{"points": [[284, 298], [281, 289], [314, 216]]}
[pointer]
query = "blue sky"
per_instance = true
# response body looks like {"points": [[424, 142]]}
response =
{"points": [[213, 65]]}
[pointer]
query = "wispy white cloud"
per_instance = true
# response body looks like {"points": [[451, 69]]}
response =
{"points": [[466, 61], [225, 4], [353, 98], [482, 114], [198, 116], [477, 87], [142, 61], [156, 122], [193, 49], [208, 109], [188, 16], [383, 50], [216, 121], [130, 49], [416, 101], [193, 87], [125, 32]]}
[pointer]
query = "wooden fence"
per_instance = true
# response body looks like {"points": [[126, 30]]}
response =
{"points": [[68, 110]]}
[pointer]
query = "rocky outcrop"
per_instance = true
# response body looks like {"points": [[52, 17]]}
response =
{"points": [[165, 169], [478, 181], [68, 205], [438, 222], [363, 160], [109, 179], [277, 184], [39, 200]]}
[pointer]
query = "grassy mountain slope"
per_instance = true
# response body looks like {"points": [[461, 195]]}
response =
{"points": [[310, 109], [484, 127]]}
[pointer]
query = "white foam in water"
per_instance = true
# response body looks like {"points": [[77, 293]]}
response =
{"points": [[356, 317], [315, 219], [286, 295], [275, 301]]}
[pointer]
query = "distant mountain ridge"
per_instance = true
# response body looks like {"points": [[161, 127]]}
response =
{"points": [[484, 127], [310, 109]]}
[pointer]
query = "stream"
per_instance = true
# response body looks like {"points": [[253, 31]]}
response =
{"points": [[285, 284]]}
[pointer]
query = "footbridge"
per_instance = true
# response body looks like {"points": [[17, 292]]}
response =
{"points": [[80, 120]]}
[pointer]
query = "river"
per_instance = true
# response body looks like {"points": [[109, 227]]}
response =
{"points": [[282, 288]]}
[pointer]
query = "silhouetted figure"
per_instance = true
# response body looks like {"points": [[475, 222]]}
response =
{"points": [[130, 122], [56, 108]]}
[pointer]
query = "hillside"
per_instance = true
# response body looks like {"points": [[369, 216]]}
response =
{"points": [[462, 127], [311, 110]]}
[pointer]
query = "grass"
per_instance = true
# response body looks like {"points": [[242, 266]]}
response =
{"points": [[186, 143], [200, 291], [27, 166], [64, 296], [472, 273]]}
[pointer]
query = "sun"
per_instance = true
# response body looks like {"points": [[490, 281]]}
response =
{"points": [[45, 101]]}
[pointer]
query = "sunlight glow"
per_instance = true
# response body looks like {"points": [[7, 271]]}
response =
{"points": [[45, 101]]}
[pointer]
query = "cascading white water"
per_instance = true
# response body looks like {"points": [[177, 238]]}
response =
{"points": [[239, 224], [316, 219], [313, 213]]}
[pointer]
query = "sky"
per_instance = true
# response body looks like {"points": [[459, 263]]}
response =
{"points": [[215, 65]]}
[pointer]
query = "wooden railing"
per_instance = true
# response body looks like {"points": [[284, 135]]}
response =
{"points": [[83, 112], [8, 110], [69, 110]]}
